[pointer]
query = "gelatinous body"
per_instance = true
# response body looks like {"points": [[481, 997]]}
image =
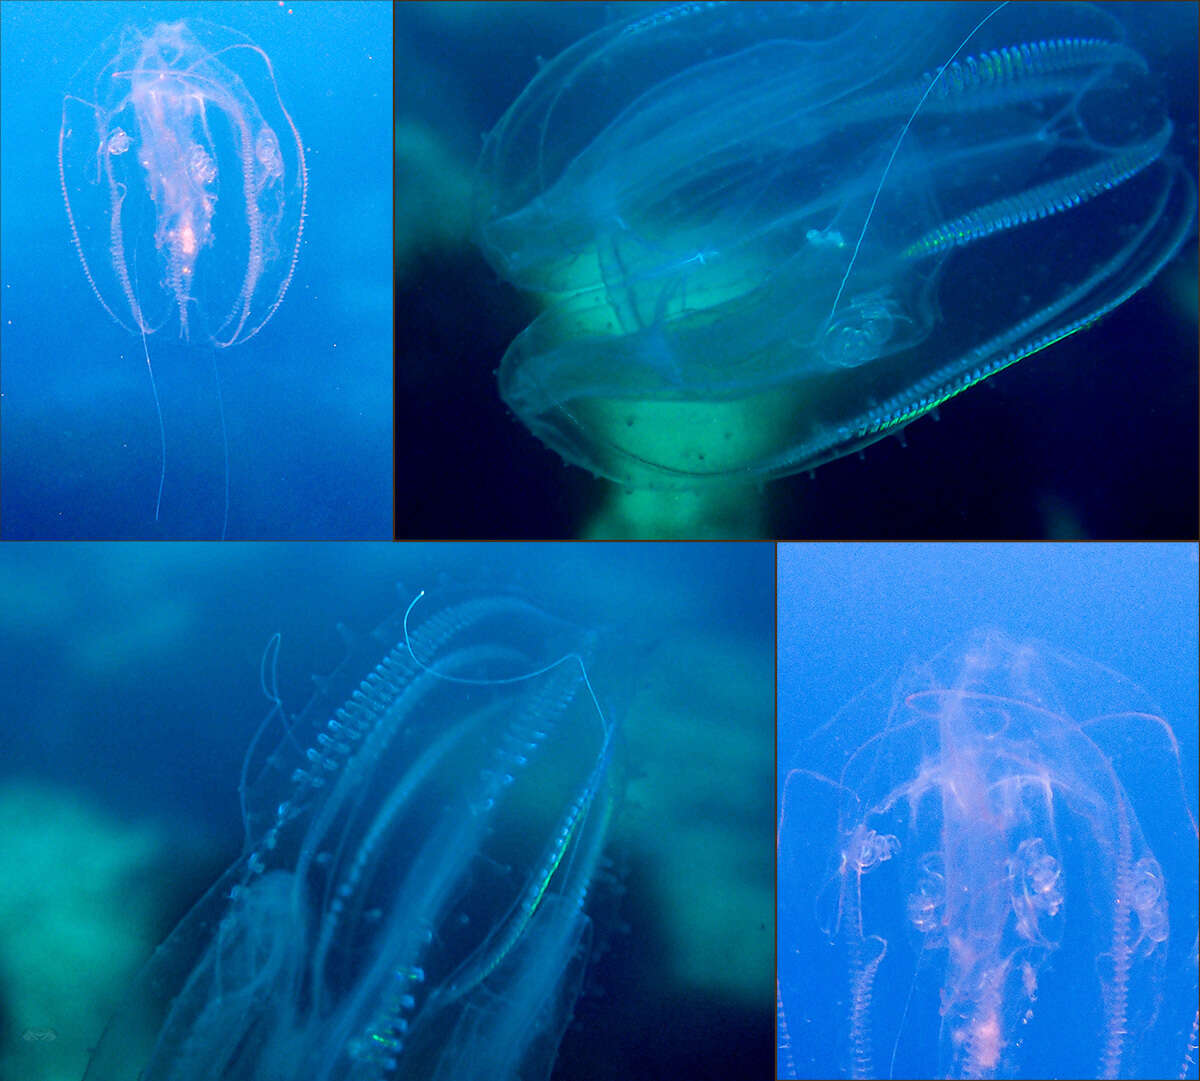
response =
{"points": [[988, 870], [413, 898], [184, 181], [796, 228]]}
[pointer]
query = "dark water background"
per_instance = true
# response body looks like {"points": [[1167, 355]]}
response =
{"points": [[1093, 438]]}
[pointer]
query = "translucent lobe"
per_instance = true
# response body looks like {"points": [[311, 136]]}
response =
{"points": [[763, 221], [184, 181]]}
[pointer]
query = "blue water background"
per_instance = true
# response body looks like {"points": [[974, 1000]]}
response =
{"points": [[852, 614], [307, 402], [129, 675]]}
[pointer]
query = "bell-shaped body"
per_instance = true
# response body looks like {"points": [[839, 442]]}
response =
{"points": [[987, 868], [184, 181], [767, 235]]}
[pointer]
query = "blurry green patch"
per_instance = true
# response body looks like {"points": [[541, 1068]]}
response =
{"points": [[699, 813], [79, 913], [433, 196]]}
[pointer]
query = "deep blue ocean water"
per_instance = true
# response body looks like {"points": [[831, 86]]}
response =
{"points": [[307, 402], [853, 615], [130, 682]]}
